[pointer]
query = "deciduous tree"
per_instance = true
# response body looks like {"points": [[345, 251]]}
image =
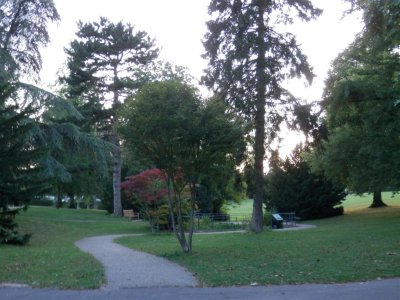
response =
{"points": [[168, 124]]}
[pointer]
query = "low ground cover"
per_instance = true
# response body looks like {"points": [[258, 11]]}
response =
{"points": [[361, 245], [51, 259]]}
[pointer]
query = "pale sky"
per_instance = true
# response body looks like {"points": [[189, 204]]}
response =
{"points": [[178, 27]]}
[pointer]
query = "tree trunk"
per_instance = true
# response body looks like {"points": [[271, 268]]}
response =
{"points": [[117, 152], [377, 200], [117, 182], [259, 150]]}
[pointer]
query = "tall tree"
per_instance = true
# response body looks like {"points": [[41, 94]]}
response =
{"points": [[104, 64], [361, 102], [168, 124], [361, 97], [248, 60], [23, 29]]}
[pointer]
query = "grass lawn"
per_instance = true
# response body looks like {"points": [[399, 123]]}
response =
{"points": [[361, 245], [352, 202], [51, 259]]}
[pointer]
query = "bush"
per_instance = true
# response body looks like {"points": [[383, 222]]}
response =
{"points": [[267, 218], [291, 187], [42, 202]]}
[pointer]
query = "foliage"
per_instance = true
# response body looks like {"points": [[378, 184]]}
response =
{"points": [[36, 129], [8, 232], [149, 189], [362, 116], [219, 188], [148, 185], [23, 29], [248, 60], [291, 187], [382, 23], [22, 32], [105, 65], [167, 124]]}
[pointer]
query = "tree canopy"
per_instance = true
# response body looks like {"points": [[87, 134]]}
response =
{"points": [[361, 102]]}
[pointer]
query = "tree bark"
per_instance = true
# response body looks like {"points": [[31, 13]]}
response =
{"points": [[117, 182], [377, 200], [117, 152], [259, 150]]}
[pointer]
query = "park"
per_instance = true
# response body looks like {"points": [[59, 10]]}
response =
{"points": [[131, 177]]}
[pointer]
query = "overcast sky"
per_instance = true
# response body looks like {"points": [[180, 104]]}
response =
{"points": [[179, 26]]}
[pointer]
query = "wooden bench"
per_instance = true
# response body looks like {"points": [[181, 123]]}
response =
{"points": [[129, 213]]}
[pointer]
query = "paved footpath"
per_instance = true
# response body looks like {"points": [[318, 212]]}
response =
{"points": [[127, 268]]}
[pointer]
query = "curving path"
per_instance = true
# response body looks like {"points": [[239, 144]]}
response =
{"points": [[127, 268]]}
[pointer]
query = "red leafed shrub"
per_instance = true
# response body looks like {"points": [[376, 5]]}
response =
{"points": [[148, 186]]}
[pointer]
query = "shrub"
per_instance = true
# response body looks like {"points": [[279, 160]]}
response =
{"points": [[291, 187]]}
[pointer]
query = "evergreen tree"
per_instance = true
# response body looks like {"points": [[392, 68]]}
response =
{"points": [[248, 60], [104, 65], [292, 187]]}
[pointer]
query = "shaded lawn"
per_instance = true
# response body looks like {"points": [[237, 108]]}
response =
{"points": [[51, 258], [363, 245]]}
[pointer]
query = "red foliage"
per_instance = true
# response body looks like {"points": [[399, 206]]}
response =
{"points": [[149, 185]]}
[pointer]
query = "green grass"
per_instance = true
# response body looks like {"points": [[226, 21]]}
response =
{"points": [[245, 207], [352, 202], [51, 259], [362, 245]]}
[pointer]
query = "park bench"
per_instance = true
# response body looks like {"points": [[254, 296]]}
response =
{"points": [[129, 213]]}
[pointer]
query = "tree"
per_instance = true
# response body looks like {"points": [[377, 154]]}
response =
{"points": [[291, 187], [149, 188], [362, 150], [382, 20], [361, 102], [168, 124], [106, 59], [22, 31], [35, 127], [248, 60]]}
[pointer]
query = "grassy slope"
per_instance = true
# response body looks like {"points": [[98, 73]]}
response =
{"points": [[51, 259], [361, 245]]}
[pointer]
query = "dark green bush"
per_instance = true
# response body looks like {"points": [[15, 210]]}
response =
{"points": [[291, 187], [42, 202]]}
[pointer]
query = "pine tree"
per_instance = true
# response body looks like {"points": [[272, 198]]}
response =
{"points": [[104, 65], [248, 60]]}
